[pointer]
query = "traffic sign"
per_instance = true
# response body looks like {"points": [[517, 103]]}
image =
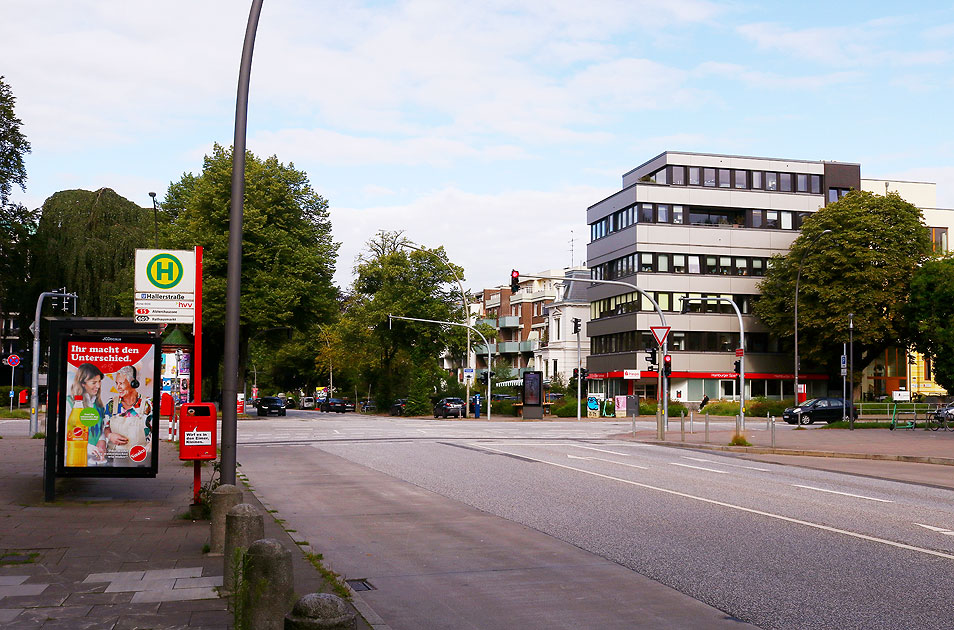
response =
{"points": [[160, 270], [844, 362], [739, 352], [660, 333], [13, 360]]}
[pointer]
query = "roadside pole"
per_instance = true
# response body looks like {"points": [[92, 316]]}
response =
{"points": [[35, 381], [579, 367]]}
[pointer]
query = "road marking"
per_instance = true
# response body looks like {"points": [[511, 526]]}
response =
{"points": [[600, 459], [787, 519], [721, 472], [846, 494], [939, 530], [601, 450], [709, 461]]}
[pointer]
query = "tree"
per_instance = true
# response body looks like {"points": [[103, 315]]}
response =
{"points": [[86, 241], [17, 223], [13, 145], [392, 280], [288, 256], [864, 267], [930, 313]]}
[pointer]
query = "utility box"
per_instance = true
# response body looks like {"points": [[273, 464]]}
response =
{"points": [[197, 431]]}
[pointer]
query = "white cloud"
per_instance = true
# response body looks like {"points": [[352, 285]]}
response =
{"points": [[525, 229]]}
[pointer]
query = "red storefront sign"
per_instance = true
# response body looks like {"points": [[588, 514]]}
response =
{"points": [[720, 375]]}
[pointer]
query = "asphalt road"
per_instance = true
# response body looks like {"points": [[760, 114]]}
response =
{"points": [[775, 546]]}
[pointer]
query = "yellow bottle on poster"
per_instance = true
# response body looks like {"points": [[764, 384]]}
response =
{"points": [[77, 435]]}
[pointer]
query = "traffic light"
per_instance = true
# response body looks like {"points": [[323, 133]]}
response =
{"points": [[576, 373], [584, 373], [738, 367], [667, 365], [576, 325], [514, 281], [651, 357]]}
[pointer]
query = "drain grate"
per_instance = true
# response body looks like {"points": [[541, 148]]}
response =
{"points": [[360, 585]]}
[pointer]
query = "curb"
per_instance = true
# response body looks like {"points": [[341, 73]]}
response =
{"points": [[764, 450]]}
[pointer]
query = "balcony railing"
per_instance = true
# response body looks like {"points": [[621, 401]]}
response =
{"points": [[529, 346], [510, 321]]}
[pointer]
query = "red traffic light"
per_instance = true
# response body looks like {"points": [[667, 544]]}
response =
{"points": [[667, 359], [514, 281]]}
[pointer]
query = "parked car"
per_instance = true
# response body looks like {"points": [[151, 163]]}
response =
{"points": [[945, 413], [449, 407], [821, 409], [268, 405], [336, 405], [307, 402], [368, 406], [348, 404], [397, 409]]}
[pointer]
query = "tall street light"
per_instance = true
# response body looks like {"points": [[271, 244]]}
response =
{"points": [[798, 279], [155, 217]]}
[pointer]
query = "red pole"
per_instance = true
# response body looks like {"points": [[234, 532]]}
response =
{"points": [[197, 329]]}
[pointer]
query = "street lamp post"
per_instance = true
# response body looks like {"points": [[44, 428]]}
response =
{"points": [[155, 217], [851, 369], [798, 278]]}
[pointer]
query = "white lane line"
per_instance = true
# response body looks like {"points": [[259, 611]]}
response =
{"points": [[845, 494], [721, 472], [709, 461], [337, 432], [939, 530], [787, 519], [600, 459], [601, 450]]}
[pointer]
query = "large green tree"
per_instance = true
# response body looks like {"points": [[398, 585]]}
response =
{"points": [[86, 241], [930, 313], [288, 255], [863, 267], [393, 280], [17, 223]]}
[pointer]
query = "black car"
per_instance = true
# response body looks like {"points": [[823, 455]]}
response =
{"points": [[271, 405], [397, 409], [449, 407], [348, 404], [338, 405], [820, 409]]}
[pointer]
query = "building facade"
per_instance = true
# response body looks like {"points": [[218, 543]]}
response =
{"points": [[702, 226], [561, 350]]}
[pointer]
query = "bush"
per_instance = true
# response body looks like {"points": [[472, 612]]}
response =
{"points": [[722, 408], [503, 408], [762, 406], [647, 407], [566, 408]]}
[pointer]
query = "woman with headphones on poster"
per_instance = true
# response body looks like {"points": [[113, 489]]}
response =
{"points": [[128, 417]]}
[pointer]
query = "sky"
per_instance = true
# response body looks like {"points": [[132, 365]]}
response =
{"points": [[486, 127]]}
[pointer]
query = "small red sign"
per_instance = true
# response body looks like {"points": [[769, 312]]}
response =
{"points": [[137, 453], [13, 360], [739, 352]]}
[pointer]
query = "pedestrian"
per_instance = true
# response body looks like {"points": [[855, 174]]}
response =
{"points": [[705, 401]]}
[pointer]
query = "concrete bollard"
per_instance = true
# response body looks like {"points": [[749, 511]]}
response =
{"points": [[267, 590], [224, 498], [244, 524], [320, 610]]}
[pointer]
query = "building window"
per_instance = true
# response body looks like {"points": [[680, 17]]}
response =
{"points": [[740, 179], [695, 264], [771, 219], [939, 239], [816, 184], [834, 194], [662, 213], [646, 263], [757, 180], [662, 263], [695, 177], [678, 175], [741, 266], [771, 181], [756, 218], [646, 213], [758, 267], [724, 176], [711, 265], [785, 182], [555, 372], [679, 263], [787, 221], [556, 328], [709, 177], [677, 214], [801, 183]]}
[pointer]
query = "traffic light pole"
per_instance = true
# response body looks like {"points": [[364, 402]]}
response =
{"points": [[486, 345], [35, 382], [663, 383], [579, 366], [738, 313]]}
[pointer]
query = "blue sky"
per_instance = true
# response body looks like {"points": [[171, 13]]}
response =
{"points": [[486, 127]]}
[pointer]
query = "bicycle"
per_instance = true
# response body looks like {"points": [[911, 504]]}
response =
{"points": [[938, 420]]}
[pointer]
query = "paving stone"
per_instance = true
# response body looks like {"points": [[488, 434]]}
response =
{"points": [[189, 572], [215, 580], [141, 585], [172, 595], [206, 618], [76, 599], [12, 580], [109, 577], [21, 590], [193, 606], [9, 614]]}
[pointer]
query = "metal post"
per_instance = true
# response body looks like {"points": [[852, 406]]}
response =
{"points": [[682, 426], [12, 368], [35, 389], [234, 274], [844, 406], [155, 217], [773, 431], [579, 371], [707, 427], [851, 369], [691, 417]]}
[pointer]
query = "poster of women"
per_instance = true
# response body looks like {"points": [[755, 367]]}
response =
{"points": [[110, 389]]}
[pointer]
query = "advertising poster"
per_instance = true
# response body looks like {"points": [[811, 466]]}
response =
{"points": [[110, 387], [532, 388]]}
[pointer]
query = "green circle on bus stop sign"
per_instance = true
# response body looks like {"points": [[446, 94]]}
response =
{"points": [[164, 271]]}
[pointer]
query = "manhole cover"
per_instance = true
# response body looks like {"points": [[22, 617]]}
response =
{"points": [[360, 585]]}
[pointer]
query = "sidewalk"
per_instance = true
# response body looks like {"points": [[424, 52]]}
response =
{"points": [[112, 553], [915, 456]]}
